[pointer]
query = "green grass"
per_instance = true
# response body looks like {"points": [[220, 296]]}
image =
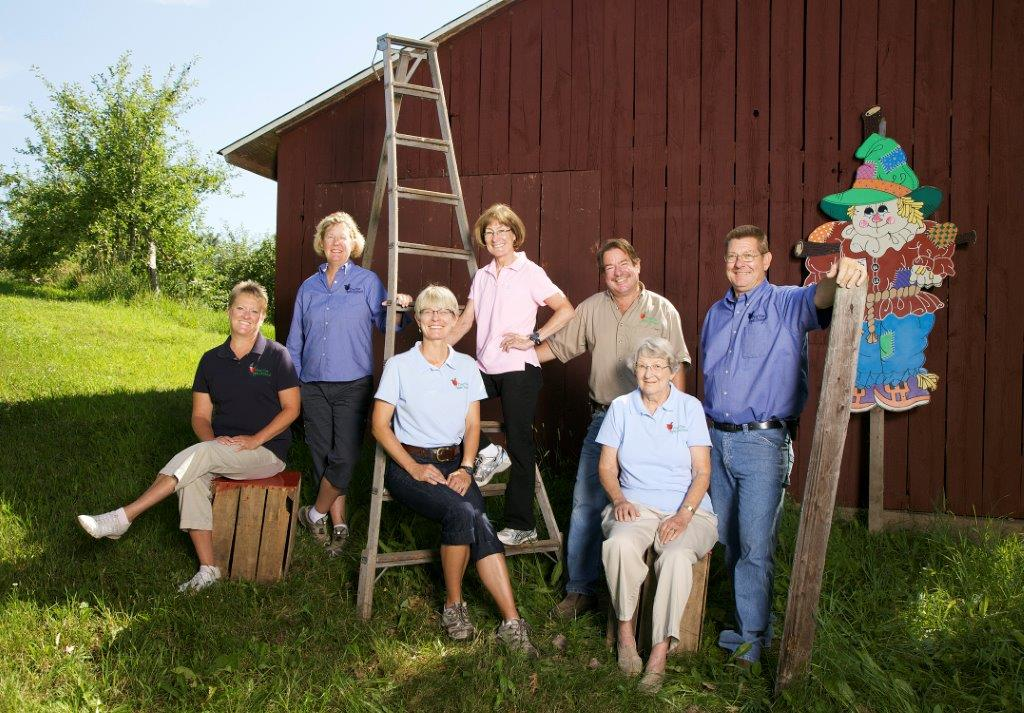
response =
{"points": [[94, 398]]}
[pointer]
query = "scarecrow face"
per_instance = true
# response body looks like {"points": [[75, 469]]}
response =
{"points": [[877, 219]]}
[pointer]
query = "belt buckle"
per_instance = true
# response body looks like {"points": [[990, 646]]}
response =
{"points": [[444, 454]]}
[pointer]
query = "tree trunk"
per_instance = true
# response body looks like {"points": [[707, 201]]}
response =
{"points": [[154, 280]]}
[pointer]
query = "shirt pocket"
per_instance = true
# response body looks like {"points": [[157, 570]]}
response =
{"points": [[351, 306], [756, 338]]}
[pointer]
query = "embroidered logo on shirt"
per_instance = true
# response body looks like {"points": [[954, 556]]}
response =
{"points": [[258, 372], [460, 385], [651, 320], [669, 426]]}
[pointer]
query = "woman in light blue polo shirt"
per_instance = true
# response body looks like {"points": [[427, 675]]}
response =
{"points": [[655, 466], [427, 418]]}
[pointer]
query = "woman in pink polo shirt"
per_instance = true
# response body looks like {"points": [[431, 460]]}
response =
{"points": [[503, 300]]}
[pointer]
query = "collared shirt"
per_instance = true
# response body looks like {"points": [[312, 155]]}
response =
{"points": [[654, 449], [430, 401], [754, 353], [330, 337], [244, 391], [599, 327], [504, 302]]}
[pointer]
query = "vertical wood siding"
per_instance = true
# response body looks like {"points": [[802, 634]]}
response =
{"points": [[670, 121]]}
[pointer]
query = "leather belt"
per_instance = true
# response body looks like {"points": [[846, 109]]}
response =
{"points": [[754, 425], [442, 454], [596, 406]]}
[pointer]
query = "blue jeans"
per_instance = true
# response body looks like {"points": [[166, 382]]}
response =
{"points": [[749, 475], [583, 548], [463, 517]]}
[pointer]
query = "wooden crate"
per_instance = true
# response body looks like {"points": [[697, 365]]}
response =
{"points": [[691, 626], [254, 525]]}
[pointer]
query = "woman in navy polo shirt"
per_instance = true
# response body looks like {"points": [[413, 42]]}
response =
{"points": [[331, 343], [655, 466], [244, 398], [427, 418]]}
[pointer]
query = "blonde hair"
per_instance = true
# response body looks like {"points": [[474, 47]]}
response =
{"points": [[436, 297], [355, 237], [504, 215], [910, 210], [252, 289]]}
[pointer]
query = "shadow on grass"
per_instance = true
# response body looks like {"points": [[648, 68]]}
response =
{"points": [[907, 621]]}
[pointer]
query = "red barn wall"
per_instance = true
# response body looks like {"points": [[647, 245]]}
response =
{"points": [[670, 121]]}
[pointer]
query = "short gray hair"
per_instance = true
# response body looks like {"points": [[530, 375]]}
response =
{"points": [[657, 347]]}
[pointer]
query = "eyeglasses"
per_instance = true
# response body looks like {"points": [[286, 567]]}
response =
{"points": [[431, 313], [652, 368], [240, 310], [495, 233], [745, 258]]}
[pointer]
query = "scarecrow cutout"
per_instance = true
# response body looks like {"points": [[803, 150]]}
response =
{"points": [[883, 221]]}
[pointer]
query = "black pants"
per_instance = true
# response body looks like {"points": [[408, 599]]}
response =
{"points": [[463, 517], [518, 391], [335, 414]]}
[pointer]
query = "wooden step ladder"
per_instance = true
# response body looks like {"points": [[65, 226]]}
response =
{"points": [[402, 57]]}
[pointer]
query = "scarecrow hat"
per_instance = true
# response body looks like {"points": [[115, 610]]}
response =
{"points": [[884, 175]]}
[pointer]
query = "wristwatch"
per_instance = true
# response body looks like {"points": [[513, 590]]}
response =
{"points": [[691, 508], [535, 338], [470, 469]]}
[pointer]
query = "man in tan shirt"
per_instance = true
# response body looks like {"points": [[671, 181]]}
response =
{"points": [[609, 325]]}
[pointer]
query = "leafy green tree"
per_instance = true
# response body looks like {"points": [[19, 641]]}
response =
{"points": [[113, 184]]}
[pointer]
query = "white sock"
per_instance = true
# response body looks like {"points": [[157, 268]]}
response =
{"points": [[122, 517], [315, 515], [490, 451], [212, 569]]}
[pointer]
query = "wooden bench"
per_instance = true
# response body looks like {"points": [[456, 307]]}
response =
{"points": [[690, 626], [254, 525]]}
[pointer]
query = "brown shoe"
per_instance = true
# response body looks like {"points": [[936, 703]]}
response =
{"points": [[573, 605]]}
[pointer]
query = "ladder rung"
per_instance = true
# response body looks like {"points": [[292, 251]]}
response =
{"points": [[416, 90], [434, 251], [421, 142], [418, 194], [400, 559]]}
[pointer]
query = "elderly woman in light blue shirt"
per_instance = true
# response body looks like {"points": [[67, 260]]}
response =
{"points": [[331, 345], [427, 418], [655, 466]]}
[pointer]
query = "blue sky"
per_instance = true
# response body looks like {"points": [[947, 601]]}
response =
{"points": [[256, 60]]}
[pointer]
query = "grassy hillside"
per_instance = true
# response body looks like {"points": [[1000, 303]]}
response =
{"points": [[94, 398]]}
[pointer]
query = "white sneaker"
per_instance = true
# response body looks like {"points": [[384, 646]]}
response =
{"points": [[111, 524], [511, 537], [489, 466], [207, 575]]}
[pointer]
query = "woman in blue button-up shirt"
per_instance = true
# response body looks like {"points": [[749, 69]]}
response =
{"points": [[331, 344]]}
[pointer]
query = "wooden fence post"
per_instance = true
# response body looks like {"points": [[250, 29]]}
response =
{"points": [[820, 489]]}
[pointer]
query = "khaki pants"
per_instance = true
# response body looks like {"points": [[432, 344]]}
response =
{"points": [[195, 467], [623, 556]]}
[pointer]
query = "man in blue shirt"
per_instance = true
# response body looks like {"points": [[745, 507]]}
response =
{"points": [[754, 359]]}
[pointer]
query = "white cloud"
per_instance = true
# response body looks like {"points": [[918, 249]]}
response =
{"points": [[7, 113]]}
